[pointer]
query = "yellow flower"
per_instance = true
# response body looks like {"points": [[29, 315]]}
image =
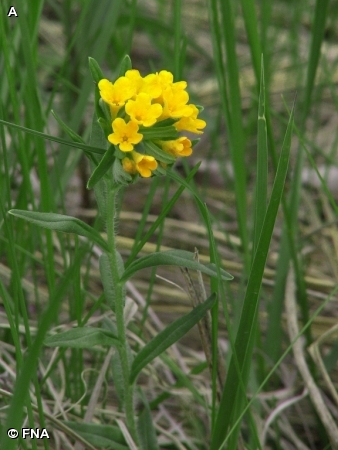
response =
{"points": [[155, 84], [175, 103], [134, 76], [152, 85], [144, 164], [116, 94], [191, 123], [125, 134], [129, 166], [142, 111], [165, 77], [179, 147]]}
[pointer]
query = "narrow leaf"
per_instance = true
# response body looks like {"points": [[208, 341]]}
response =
{"points": [[125, 65], [100, 435], [82, 338], [169, 336], [60, 222], [145, 428], [241, 359], [84, 147], [120, 176], [98, 139], [102, 168], [164, 123], [158, 153], [74, 136], [262, 164], [179, 258], [95, 70], [159, 133]]}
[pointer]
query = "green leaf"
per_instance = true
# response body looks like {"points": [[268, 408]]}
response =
{"points": [[74, 136], [145, 428], [97, 136], [241, 358], [102, 168], [59, 222], [164, 123], [84, 147], [82, 338], [169, 336], [262, 165], [95, 70], [120, 176], [159, 133], [160, 171], [104, 116], [99, 435], [125, 65], [179, 258], [158, 153], [98, 139]]}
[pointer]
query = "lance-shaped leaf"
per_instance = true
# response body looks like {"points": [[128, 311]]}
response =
{"points": [[95, 70], [82, 338], [158, 153], [169, 336], [145, 427], [74, 136], [125, 65], [164, 123], [179, 258], [59, 222], [100, 435], [84, 147], [102, 168], [159, 133]]}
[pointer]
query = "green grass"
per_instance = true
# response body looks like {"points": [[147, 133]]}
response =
{"points": [[271, 118]]}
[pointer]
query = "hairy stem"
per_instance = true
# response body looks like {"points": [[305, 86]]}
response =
{"points": [[119, 308]]}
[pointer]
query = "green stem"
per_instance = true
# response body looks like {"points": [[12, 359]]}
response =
{"points": [[119, 308]]}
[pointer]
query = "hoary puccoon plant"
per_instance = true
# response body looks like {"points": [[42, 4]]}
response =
{"points": [[138, 130]]}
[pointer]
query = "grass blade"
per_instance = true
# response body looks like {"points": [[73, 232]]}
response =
{"points": [[82, 337], [241, 359], [262, 165], [29, 367], [228, 82]]}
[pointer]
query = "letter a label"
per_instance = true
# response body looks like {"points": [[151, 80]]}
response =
{"points": [[12, 12]]}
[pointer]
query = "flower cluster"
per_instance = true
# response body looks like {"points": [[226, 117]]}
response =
{"points": [[145, 117]]}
